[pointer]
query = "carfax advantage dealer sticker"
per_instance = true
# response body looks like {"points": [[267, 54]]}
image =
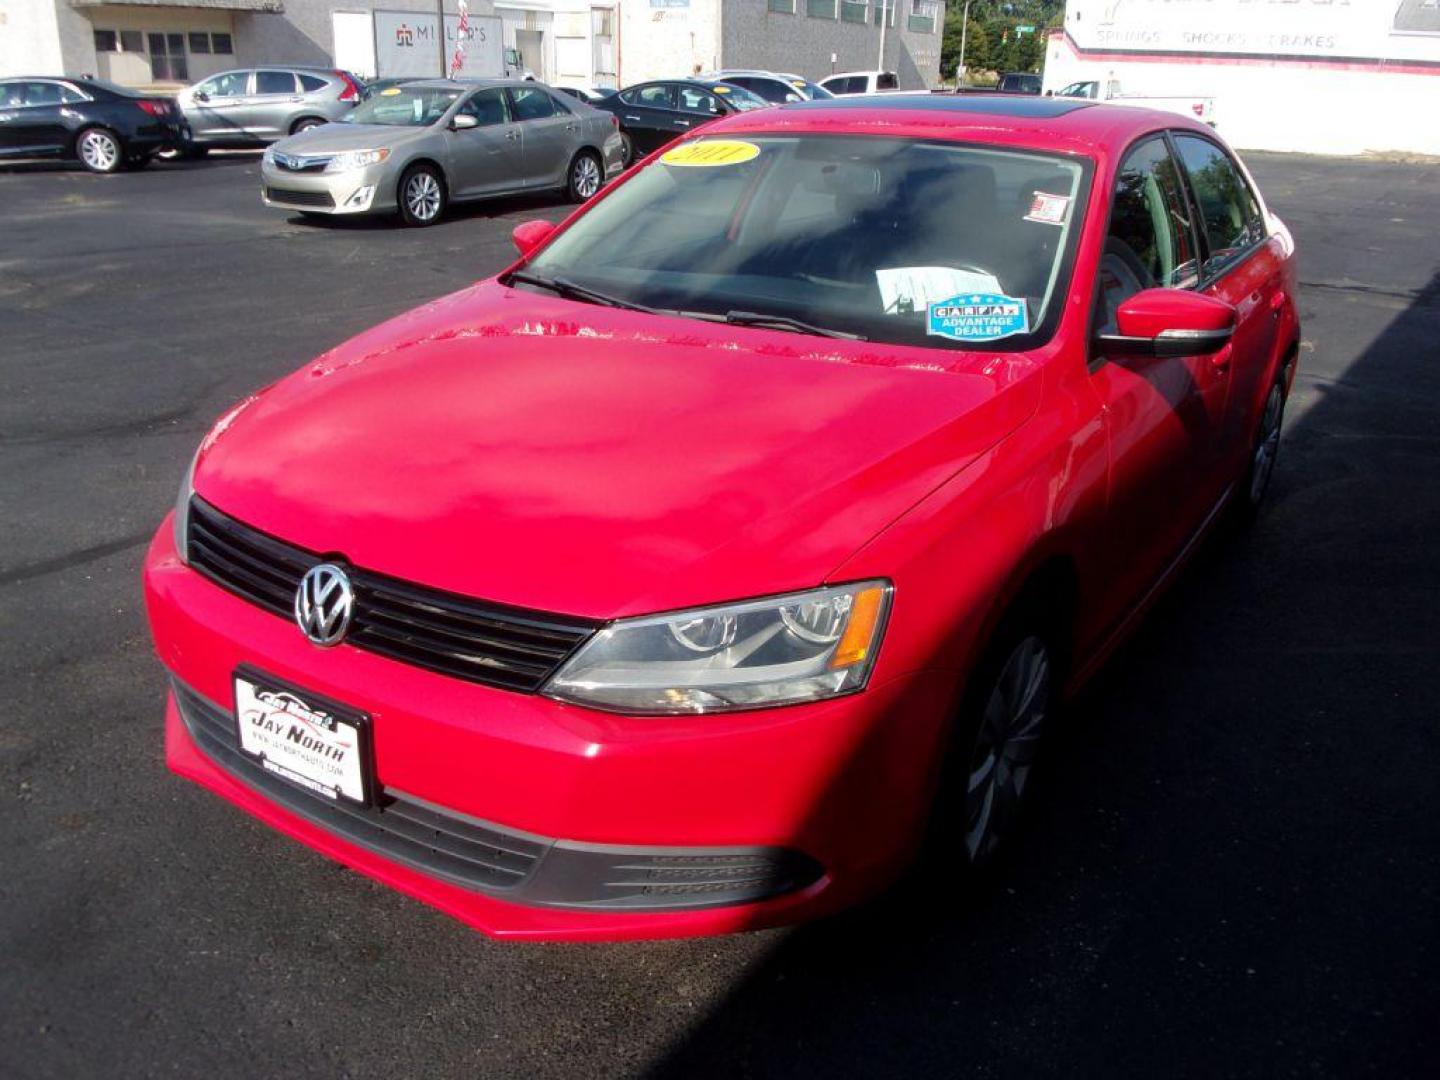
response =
{"points": [[978, 317]]}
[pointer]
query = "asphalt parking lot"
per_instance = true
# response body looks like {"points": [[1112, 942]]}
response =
{"points": [[1233, 867]]}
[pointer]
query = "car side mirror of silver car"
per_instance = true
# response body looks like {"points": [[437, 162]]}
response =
{"points": [[201, 95], [1168, 322], [464, 122]]}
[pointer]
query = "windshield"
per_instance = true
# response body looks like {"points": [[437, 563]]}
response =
{"points": [[742, 99], [856, 235], [403, 106]]}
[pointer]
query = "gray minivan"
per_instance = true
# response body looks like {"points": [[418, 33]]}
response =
{"points": [[256, 106]]}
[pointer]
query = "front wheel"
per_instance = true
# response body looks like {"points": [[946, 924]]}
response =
{"points": [[99, 150], [422, 196], [585, 177]]}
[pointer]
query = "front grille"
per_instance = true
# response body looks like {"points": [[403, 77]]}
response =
{"points": [[300, 198], [444, 845], [454, 635]]}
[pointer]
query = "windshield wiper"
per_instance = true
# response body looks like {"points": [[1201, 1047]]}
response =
{"points": [[784, 322], [572, 291]]}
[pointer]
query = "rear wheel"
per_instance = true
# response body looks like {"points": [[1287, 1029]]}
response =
{"points": [[422, 195], [1265, 451], [304, 125], [627, 150], [99, 150], [585, 176]]}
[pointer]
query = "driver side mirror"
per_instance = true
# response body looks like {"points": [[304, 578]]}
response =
{"points": [[464, 122], [529, 235], [201, 95], [1169, 322]]}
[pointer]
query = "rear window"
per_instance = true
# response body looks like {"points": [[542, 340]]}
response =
{"points": [[854, 235], [531, 103], [311, 83], [886, 80], [274, 82]]}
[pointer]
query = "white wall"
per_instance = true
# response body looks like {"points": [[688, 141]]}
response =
{"points": [[1318, 76], [667, 42], [29, 38]]}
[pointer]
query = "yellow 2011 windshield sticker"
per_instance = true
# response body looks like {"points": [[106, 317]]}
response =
{"points": [[711, 152], [390, 91]]}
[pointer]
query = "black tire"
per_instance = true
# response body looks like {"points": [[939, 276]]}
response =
{"points": [[1008, 703], [1264, 451], [627, 150], [585, 177], [304, 125], [99, 150], [421, 195], [138, 162]]}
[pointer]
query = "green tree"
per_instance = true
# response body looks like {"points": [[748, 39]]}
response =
{"points": [[977, 43]]}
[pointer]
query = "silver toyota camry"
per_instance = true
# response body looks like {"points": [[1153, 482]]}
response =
{"points": [[417, 147]]}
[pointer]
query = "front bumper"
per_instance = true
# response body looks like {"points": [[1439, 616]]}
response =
{"points": [[356, 191], [815, 806]]}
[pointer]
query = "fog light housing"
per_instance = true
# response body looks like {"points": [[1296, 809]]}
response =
{"points": [[360, 198]]}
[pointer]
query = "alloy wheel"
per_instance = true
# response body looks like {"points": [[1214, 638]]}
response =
{"points": [[586, 178], [422, 196], [99, 151], [1005, 746], [1267, 446]]}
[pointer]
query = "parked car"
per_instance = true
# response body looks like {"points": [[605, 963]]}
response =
{"points": [[774, 87], [1202, 108], [862, 82], [753, 524], [584, 93], [103, 126], [1019, 82], [252, 107], [418, 147], [652, 114]]}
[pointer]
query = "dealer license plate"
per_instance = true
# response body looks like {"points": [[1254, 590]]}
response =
{"points": [[303, 738]]}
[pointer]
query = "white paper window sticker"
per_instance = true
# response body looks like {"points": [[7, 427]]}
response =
{"points": [[905, 290], [1048, 209]]}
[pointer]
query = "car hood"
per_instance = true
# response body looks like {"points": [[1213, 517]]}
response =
{"points": [[576, 459], [331, 138]]}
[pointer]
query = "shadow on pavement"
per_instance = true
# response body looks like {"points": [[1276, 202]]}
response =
{"points": [[1237, 834]]}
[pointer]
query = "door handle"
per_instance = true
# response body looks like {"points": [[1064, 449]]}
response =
{"points": [[1220, 361], [683, 123], [1277, 304], [572, 127], [635, 118], [512, 134]]}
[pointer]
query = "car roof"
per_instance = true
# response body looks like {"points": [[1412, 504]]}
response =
{"points": [[847, 74], [1057, 124], [469, 84]]}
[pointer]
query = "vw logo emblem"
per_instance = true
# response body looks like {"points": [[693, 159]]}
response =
{"points": [[324, 603]]}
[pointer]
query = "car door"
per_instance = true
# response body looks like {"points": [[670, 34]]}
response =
{"points": [[549, 134], [274, 99], [32, 119], [1164, 417], [1244, 267], [216, 107], [489, 158], [695, 106], [647, 114]]}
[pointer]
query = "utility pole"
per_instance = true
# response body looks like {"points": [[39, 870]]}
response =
{"points": [[880, 64], [440, 34], [964, 29]]}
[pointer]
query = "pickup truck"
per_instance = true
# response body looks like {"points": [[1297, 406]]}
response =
{"points": [[862, 82], [1199, 108]]}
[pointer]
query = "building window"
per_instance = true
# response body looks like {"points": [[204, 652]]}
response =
{"points": [[922, 18], [167, 58], [220, 44], [602, 22], [888, 8], [131, 41], [852, 11], [199, 43], [107, 41], [782, 7], [820, 9]]}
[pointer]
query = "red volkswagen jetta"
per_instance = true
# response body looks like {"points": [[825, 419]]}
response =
{"points": [[662, 584]]}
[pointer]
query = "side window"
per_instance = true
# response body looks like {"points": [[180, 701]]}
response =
{"points": [[11, 94], [42, 93], [1151, 242], [310, 83], [531, 103], [655, 97], [1229, 210], [488, 107], [70, 96], [693, 99], [886, 80], [230, 84], [274, 82]]}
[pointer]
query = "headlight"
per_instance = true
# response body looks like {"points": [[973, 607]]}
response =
{"points": [[268, 158], [785, 649], [355, 159], [182, 509]]}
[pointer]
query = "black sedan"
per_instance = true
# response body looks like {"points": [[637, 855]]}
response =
{"points": [[104, 126], [653, 113]]}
